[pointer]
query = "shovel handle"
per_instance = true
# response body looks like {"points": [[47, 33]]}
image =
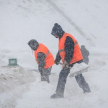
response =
{"points": [[66, 65]]}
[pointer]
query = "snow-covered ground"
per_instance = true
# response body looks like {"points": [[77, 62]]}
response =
{"points": [[22, 20]]}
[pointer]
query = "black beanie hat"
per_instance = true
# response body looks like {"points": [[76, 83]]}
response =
{"points": [[33, 44]]}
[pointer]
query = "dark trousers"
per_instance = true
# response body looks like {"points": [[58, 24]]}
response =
{"points": [[82, 83], [62, 81], [45, 74]]}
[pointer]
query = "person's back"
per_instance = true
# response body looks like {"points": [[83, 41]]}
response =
{"points": [[44, 59], [85, 54]]}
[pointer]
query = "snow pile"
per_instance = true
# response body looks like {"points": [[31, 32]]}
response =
{"points": [[13, 82]]}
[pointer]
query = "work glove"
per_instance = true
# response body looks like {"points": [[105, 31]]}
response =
{"points": [[65, 64], [56, 62]]}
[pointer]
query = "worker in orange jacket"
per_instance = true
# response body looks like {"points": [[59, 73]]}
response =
{"points": [[70, 53], [43, 57]]}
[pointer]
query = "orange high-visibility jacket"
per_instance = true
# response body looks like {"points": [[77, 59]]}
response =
{"points": [[77, 55], [49, 59]]}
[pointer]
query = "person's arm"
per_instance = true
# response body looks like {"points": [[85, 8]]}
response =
{"points": [[41, 61], [58, 58], [69, 49]]}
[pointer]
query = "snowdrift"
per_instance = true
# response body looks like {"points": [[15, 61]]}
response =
{"points": [[14, 81]]}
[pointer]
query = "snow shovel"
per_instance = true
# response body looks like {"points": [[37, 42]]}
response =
{"points": [[78, 68]]}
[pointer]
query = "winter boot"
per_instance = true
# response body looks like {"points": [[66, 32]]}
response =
{"points": [[54, 96], [44, 78], [86, 89], [48, 79]]}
